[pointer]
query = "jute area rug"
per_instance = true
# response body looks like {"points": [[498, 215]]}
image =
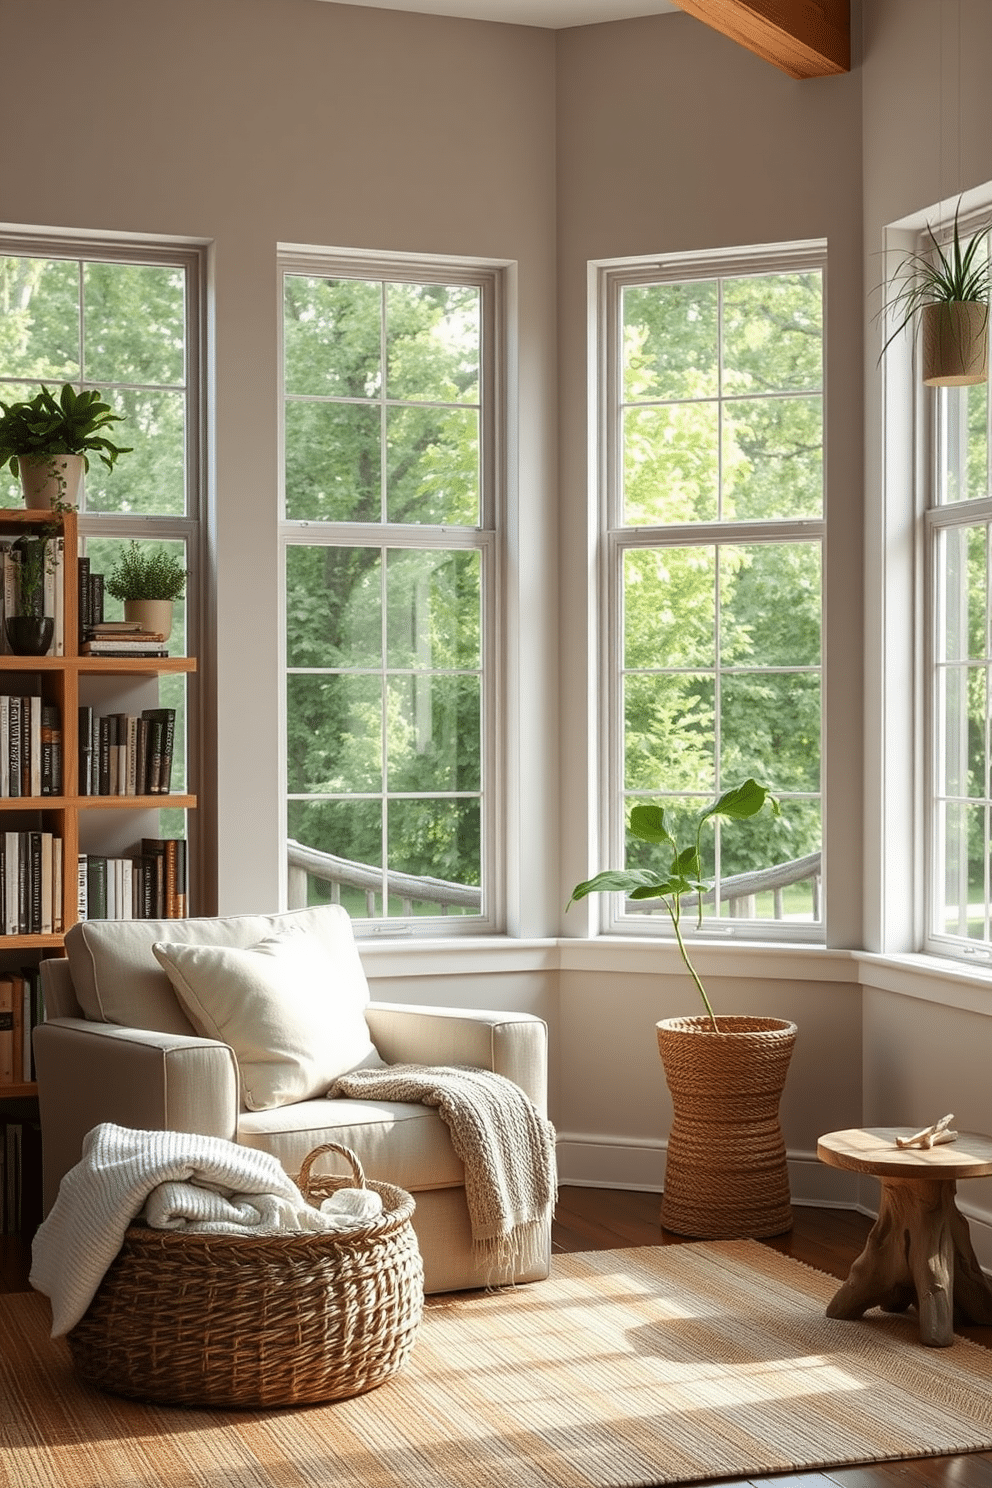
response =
{"points": [[630, 1367]]}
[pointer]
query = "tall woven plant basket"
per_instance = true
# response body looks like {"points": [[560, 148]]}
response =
{"points": [[727, 1176], [247, 1321]]}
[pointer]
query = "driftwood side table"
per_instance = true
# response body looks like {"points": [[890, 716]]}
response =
{"points": [[919, 1250]]}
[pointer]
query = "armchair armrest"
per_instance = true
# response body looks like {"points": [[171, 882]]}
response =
{"points": [[511, 1044], [93, 1072]]}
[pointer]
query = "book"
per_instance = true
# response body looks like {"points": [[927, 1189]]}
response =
{"points": [[82, 886], [86, 750], [11, 858], [58, 609], [51, 750], [47, 925], [160, 775], [6, 1031], [96, 886], [14, 745], [58, 887], [34, 746], [83, 581], [96, 598], [122, 652], [17, 1020]]}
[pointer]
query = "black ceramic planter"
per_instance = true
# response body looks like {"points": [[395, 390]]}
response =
{"points": [[29, 635]]}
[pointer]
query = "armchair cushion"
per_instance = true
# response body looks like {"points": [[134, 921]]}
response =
{"points": [[117, 979], [293, 1016]]}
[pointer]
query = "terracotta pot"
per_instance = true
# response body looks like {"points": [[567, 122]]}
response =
{"points": [[46, 479], [955, 343], [151, 614], [727, 1176]]}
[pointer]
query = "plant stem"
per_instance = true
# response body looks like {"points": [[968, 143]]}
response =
{"points": [[675, 910]]}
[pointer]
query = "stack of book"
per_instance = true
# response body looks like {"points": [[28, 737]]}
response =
{"points": [[126, 754], [122, 638], [53, 591], [151, 885], [20, 1011], [30, 883], [30, 747]]}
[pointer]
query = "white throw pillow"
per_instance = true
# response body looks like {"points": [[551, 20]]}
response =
{"points": [[294, 1019]]}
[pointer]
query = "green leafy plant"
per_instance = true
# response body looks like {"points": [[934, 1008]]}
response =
{"points": [[684, 872], [70, 424], [959, 272], [141, 572]]}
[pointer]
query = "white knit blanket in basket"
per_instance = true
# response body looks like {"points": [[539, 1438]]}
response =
{"points": [[174, 1180], [506, 1146]]}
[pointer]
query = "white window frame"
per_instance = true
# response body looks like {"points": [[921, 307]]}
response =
{"points": [[611, 277], [488, 539]]}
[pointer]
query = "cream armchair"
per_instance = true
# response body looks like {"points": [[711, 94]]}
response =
{"points": [[117, 1046]]}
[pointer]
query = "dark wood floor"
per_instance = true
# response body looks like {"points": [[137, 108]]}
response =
{"points": [[608, 1219]]}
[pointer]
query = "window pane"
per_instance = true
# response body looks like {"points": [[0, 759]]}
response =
{"points": [[668, 732], [962, 419], [341, 861], [151, 480], [670, 464], [963, 831], [964, 744], [670, 341], [433, 733], [770, 728], [333, 733], [333, 471], [434, 603], [770, 604], [772, 458], [332, 335], [433, 338], [669, 614], [431, 841], [773, 333], [39, 322], [433, 466], [135, 324], [333, 607]]}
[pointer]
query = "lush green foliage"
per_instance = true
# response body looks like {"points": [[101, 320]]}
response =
{"points": [[682, 873], [70, 424], [146, 572]]}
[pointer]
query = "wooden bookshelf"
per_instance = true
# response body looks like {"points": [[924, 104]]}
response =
{"points": [[58, 680]]}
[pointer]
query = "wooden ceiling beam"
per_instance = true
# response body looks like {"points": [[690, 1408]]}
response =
{"points": [[805, 38]]}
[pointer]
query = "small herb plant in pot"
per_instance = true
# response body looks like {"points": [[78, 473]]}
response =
{"points": [[947, 288], [148, 579], [726, 1174], [48, 439]]}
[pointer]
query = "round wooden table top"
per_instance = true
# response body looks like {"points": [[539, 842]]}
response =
{"points": [[873, 1150]]}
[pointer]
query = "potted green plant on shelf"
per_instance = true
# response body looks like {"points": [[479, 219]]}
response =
{"points": [[29, 631], [947, 288], [726, 1173], [47, 441], [148, 579]]}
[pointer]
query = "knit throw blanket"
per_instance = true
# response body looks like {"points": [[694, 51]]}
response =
{"points": [[508, 1150]]}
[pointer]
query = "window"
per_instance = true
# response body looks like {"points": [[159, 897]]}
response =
{"points": [[713, 476], [958, 529], [390, 435], [127, 320]]}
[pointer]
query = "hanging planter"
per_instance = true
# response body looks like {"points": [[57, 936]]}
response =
{"points": [[947, 289], [955, 343]]}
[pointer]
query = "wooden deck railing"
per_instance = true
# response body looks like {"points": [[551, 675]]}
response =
{"points": [[740, 891]]}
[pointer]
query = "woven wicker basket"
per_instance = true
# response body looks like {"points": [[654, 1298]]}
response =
{"points": [[726, 1176], [248, 1321]]}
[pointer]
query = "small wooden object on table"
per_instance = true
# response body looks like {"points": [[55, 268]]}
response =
{"points": [[919, 1250]]}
